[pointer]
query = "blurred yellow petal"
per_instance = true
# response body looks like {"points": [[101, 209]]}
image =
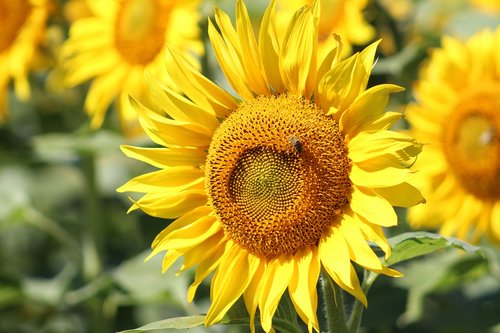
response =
{"points": [[456, 114]]}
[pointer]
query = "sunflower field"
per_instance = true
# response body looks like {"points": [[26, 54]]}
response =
{"points": [[250, 166]]}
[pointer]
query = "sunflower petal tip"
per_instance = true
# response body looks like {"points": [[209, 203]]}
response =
{"points": [[151, 255]]}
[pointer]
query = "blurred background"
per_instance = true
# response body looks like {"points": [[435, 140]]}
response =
{"points": [[72, 259]]}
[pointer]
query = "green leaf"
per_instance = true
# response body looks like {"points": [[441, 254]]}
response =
{"points": [[171, 323], [284, 321], [415, 244]]}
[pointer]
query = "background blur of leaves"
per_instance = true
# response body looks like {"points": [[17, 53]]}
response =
{"points": [[71, 259]]}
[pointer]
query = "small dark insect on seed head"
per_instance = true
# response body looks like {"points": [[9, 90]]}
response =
{"points": [[297, 145]]}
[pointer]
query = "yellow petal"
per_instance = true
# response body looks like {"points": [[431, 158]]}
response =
{"points": [[482, 222], [422, 124], [269, 48], [251, 294], [386, 177], [178, 107], [367, 56], [191, 235], [249, 52], [359, 250], [467, 216], [172, 132], [372, 208], [233, 276], [339, 86], [374, 233], [331, 59], [102, 92], [495, 223], [227, 57], [355, 290], [88, 65], [206, 266], [366, 107], [164, 157], [402, 195], [106, 10], [198, 88], [177, 178], [203, 250], [173, 206], [302, 287], [299, 52], [168, 260], [182, 222], [372, 145], [275, 280], [335, 257]]}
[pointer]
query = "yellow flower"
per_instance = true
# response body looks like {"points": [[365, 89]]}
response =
{"points": [[125, 39], [293, 178], [457, 114], [23, 25], [338, 17]]}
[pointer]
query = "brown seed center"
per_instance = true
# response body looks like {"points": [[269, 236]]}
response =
{"points": [[472, 142], [13, 15], [277, 174], [140, 29]]}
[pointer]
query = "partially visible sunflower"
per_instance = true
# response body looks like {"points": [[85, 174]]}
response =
{"points": [[457, 114], [23, 27], [125, 39], [338, 17], [293, 178]]}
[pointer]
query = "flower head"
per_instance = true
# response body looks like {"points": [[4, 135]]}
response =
{"points": [[292, 178], [23, 25], [458, 98], [123, 40]]}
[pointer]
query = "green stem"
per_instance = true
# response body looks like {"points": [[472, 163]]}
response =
{"points": [[92, 236], [357, 308], [92, 242], [334, 305]]}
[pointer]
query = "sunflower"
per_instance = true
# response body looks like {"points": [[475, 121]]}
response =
{"points": [[458, 98], [123, 40], [338, 17], [291, 178], [23, 25]]}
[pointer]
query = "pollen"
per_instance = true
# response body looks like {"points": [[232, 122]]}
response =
{"points": [[277, 174], [140, 29], [13, 15], [471, 142]]}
